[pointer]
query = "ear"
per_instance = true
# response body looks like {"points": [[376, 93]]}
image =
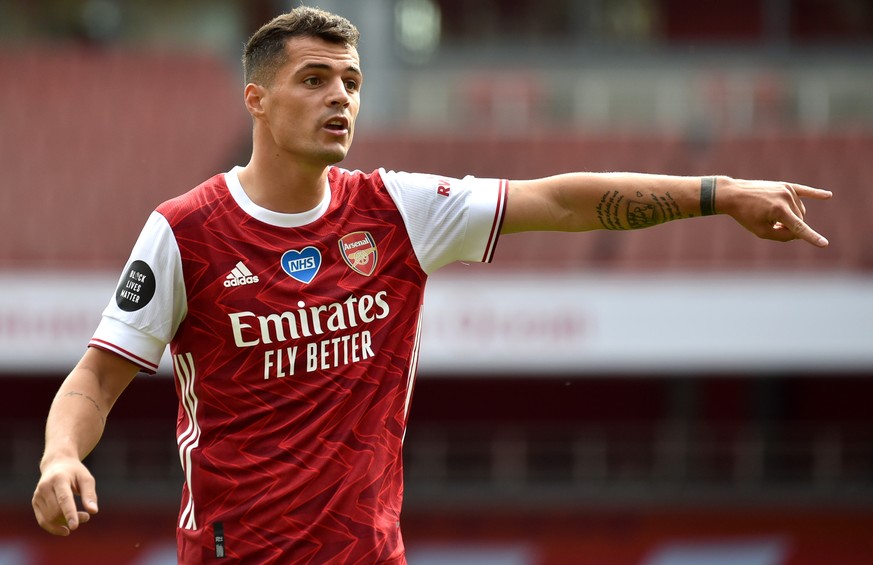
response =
{"points": [[254, 98]]}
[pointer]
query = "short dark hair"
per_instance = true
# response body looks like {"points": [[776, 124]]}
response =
{"points": [[265, 50]]}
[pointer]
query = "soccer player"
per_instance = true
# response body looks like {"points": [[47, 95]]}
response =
{"points": [[290, 290]]}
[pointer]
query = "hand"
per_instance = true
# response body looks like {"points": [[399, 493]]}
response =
{"points": [[770, 210], [54, 502]]}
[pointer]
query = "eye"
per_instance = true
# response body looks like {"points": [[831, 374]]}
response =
{"points": [[312, 81], [352, 85]]}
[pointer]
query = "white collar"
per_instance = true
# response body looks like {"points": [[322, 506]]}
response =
{"points": [[278, 219]]}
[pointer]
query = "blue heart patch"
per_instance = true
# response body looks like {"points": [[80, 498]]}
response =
{"points": [[302, 265]]}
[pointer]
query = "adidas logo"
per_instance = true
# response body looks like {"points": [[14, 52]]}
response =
{"points": [[240, 275]]}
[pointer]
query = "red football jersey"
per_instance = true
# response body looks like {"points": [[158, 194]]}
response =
{"points": [[294, 340]]}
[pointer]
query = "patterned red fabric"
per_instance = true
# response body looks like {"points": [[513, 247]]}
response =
{"points": [[294, 443]]}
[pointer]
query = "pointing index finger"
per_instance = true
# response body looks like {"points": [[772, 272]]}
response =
{"points": [[67, 505], [802, 231]]}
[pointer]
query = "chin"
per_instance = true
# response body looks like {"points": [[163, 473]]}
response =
{"points": [[334, 157]]}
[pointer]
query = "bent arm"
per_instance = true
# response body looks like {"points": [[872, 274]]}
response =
{"points": [[624, 201], [75, 424], [83, 401]]}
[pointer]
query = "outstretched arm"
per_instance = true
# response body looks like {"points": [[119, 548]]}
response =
{"points": [[74, 426], [624, 201]]}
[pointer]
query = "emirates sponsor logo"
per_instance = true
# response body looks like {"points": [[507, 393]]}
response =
{"points": [[312, 338], [250, 329]]}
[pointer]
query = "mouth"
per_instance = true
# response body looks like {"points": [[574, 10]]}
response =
{"points": [[338, 125]]}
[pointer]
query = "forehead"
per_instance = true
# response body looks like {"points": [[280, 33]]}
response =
{"points": [[304, 52]]}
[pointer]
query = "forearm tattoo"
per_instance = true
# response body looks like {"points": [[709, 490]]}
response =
{"points": [[94, 402], [616, 212]]}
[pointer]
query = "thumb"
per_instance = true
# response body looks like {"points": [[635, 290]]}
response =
{"points": [[87, 488]]}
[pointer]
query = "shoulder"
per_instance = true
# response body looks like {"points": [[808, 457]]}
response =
{"points": [[340, 177], [383, 179], [202, 196]]}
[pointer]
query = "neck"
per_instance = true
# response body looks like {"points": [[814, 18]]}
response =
{"points": [[281, 185]]}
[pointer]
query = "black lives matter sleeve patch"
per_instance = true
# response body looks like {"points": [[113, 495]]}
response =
{"points": [[137, 287]]}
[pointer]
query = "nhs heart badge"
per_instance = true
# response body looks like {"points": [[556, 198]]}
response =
{"points": [[302, 265]]}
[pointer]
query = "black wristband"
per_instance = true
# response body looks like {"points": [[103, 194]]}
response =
{"points": [[707, 196]]}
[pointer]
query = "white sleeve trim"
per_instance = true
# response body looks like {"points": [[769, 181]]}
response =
{"points": [[119, 338], [448, 219], [141, 332]]}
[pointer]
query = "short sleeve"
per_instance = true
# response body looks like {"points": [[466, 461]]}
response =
{"points": [[149, 302], [448, 219]]}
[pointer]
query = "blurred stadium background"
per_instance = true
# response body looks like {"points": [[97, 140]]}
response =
{"points": [[682, 395]]}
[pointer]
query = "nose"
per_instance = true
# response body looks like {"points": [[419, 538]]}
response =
{"points": [[338, 95]]}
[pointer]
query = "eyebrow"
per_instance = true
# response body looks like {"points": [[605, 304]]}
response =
{"points": [[325, 67]]}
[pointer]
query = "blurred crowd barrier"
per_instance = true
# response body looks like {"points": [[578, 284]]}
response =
{"points": [[94, 139], [652, 536]]}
